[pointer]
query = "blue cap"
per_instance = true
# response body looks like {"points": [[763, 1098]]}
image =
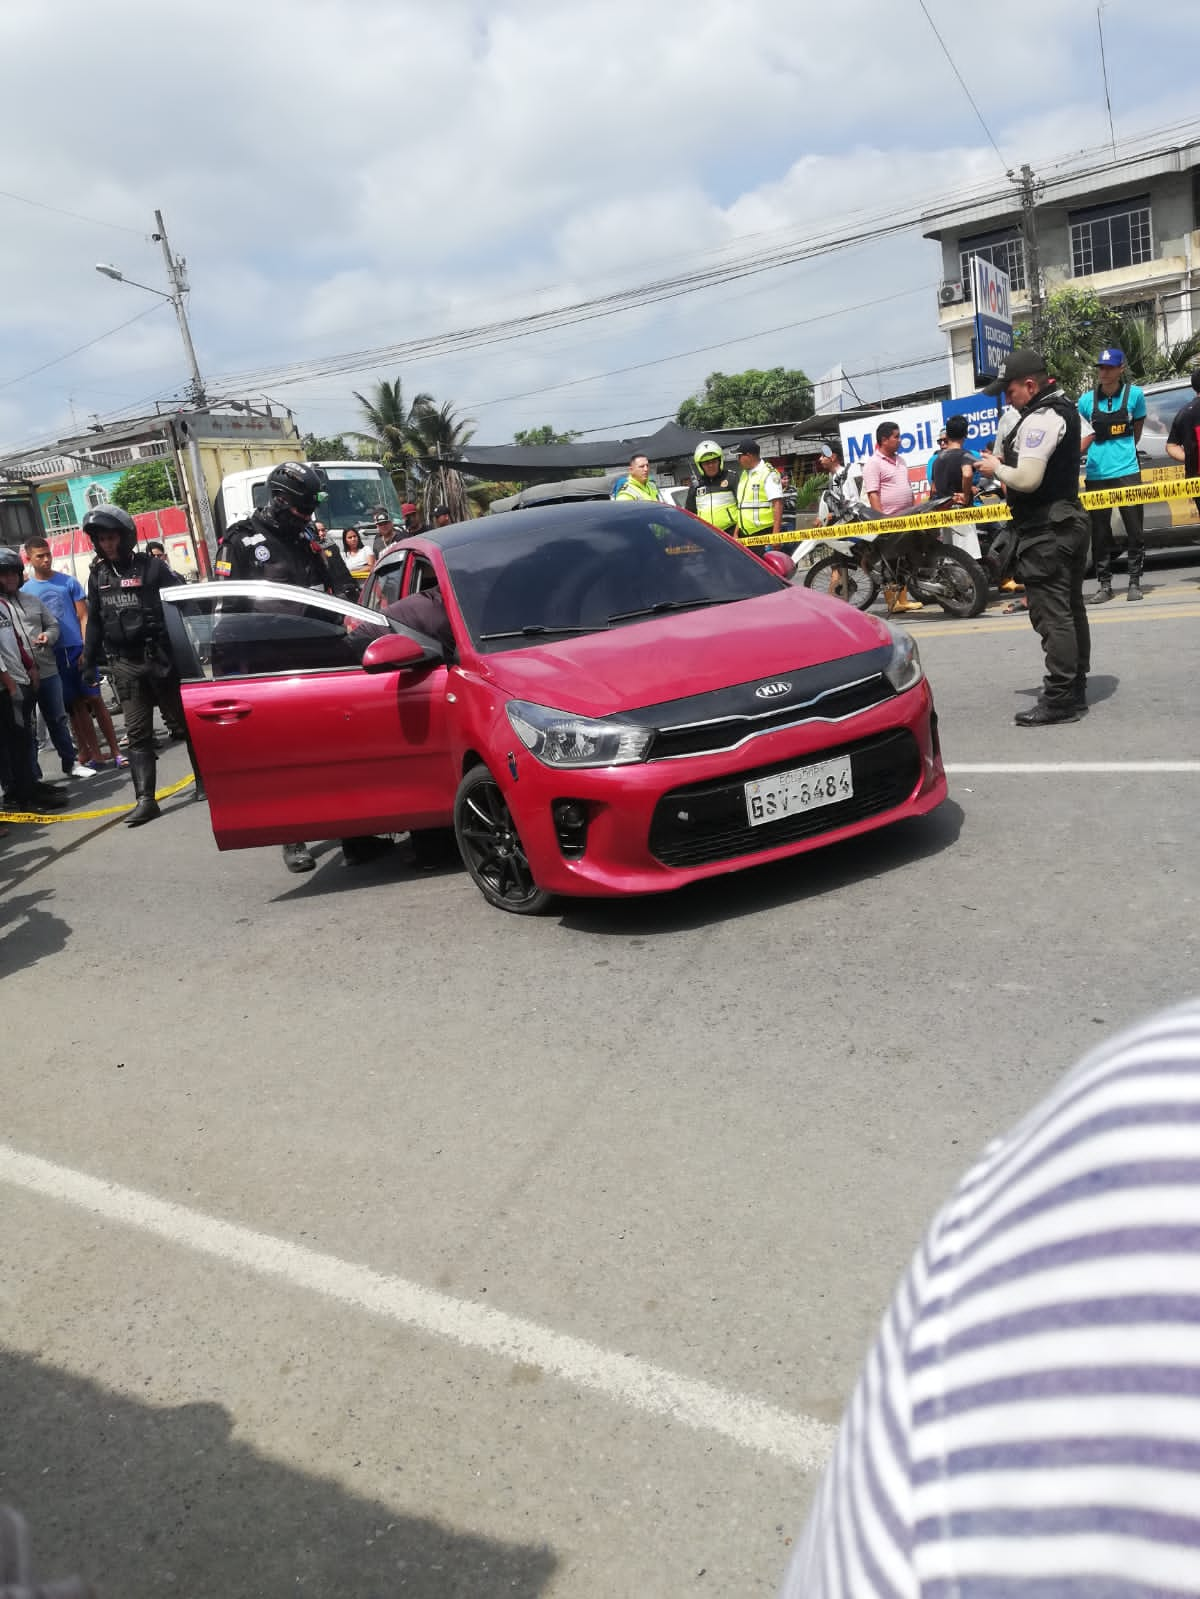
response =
{"points": [[1111, 357]]}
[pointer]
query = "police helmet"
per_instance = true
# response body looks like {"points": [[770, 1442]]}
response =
{"points": [[707, 450], [112, 519], [297, 484], [10, 561]]}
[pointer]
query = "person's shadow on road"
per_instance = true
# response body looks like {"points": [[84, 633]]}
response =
{"points": [[28, 933], [143, 1501], [1101, 686]]}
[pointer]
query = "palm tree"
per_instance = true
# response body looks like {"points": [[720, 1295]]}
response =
{"points": [[1147, 363], [393, 428], [438, 432]]}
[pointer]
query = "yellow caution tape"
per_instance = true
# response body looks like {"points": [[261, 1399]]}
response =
{"points": [[1178, 488], [959, 516], [88, 816]]}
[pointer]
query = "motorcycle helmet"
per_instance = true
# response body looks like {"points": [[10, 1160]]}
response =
{"points": [[10, 561], [112, 519], [297, 486], [707, 450]]}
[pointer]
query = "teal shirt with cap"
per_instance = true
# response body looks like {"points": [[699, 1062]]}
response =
{"points": [[1109, 458]]}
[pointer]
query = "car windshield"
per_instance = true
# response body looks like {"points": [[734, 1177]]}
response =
{"points": [[585, 568]]}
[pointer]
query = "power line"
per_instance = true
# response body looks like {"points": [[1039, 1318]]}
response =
{"points": [[1104, 71], [59, 358], [95, 222], [963, 85]]}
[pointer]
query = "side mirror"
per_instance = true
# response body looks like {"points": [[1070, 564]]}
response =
{"points": [[782, 565], [393, 653]]}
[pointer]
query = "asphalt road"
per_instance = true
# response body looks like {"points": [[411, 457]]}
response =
{"points": [[680, 1149]]}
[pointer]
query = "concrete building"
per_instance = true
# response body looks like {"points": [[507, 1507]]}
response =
{"points": [[1127, 230]]}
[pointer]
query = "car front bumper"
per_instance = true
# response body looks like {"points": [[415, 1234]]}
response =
{"points": [[659, 826]]}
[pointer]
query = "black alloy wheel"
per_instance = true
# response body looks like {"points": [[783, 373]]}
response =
{"points": [[491, 846]]}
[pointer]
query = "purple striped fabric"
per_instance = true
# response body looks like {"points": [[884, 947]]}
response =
{"points": [[1027, 1424]]}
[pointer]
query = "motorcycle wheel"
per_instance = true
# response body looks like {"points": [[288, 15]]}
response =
{"points": [[843, 579], [952, 579]]}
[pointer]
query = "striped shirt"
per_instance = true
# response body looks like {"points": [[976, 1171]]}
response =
{"points": [[1028, 1421]]}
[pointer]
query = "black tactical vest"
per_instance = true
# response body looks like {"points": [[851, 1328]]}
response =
{"points": [[130, 610], [1061, 479]]}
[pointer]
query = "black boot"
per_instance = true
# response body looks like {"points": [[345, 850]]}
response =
{"points": [[1134, 591], [143, 766]]}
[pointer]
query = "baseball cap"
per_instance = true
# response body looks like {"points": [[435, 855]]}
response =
{"points": [[1111, 356], [408, 509], [748, 447], [441, 510], [382, 516], [1023, 363]]}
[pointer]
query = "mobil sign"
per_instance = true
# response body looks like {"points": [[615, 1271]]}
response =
{"points": [[993, 317], [920, 427]]}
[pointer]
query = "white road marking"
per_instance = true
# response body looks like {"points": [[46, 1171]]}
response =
{"points": [[801, 1440], [1052, 768]]}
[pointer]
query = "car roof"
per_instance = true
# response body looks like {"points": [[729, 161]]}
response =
{"points": [[553, 518]]}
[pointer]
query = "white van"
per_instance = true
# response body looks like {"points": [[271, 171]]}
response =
{"points": [[353, 491]]}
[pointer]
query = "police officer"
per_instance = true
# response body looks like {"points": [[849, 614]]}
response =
{"points": [[278, 544], [714, 498], [125, 618], [638, 484], [1036, 457], [759, 493]]}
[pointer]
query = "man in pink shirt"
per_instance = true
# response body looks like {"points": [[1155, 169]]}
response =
{"points": [[888, 491], [885, 476]]}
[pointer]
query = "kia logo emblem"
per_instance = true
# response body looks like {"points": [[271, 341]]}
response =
{"points": [[771, 691]]}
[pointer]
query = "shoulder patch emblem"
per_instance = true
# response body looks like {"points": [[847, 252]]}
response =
{"points": [[262, 553], [251, 539], [224, 568], [1034, 437]]}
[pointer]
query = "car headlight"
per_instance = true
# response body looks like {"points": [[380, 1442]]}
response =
{"points": [[903, 670], [560, 739]]}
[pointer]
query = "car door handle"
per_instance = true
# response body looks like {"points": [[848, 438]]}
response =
{"points": [[224, 710]]}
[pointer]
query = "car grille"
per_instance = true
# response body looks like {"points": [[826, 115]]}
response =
{"points": [[729, 732], [885, 770]]}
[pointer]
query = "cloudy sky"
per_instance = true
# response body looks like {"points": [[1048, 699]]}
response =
{"points": [[348, 174]]}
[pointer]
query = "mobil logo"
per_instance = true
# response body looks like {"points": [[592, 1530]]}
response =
{"points": [[982, 413], [919, 428]]}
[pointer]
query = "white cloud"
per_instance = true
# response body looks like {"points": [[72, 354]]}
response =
{"points": [[347, 173]]}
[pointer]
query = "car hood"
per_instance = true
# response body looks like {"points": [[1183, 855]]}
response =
{"points": [[692, 653]]}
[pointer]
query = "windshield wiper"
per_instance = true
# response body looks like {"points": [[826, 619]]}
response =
{"points": [[538, 631], [661, 607]]}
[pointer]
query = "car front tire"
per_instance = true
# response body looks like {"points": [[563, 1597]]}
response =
{"points": [[491, 847]]}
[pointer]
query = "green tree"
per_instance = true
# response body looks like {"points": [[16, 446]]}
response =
{"points": [[1077, 326], [391, 432], [145, 486], [545, 435], [437, 431], [318, 448], [748, 399]]}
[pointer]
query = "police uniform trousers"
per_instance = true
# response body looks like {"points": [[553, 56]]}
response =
{"points": [[1133, 516], [1052, 557], [140, 686]]}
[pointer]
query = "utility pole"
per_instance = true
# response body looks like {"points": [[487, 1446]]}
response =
{"points": [[1033, 266], [177, 277]]}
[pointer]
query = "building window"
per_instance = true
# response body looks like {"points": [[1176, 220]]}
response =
{"points": [[58, 510], [1003, 250], [96, 495], [1111, 236]]}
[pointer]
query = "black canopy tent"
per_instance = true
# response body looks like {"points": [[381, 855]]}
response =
{"points": [[534, 463]]}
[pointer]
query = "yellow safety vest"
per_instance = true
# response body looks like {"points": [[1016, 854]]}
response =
{"points": [[754, 508], [631, 489], [715, 503]]}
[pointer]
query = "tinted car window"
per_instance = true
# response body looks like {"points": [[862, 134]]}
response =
{"points": [[385, 586], [268, 633], [1161, 410], [584, 568]]}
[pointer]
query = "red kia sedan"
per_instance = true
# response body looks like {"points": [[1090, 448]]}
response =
{"points": [[631, 702]]}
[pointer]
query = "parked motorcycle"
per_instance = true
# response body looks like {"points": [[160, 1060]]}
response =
{"points": [[935, 573]]}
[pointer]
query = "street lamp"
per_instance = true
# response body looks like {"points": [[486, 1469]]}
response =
{"points": [[176, 276]]}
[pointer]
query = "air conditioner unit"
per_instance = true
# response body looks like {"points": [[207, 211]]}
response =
{"points": [[951, 294]]}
